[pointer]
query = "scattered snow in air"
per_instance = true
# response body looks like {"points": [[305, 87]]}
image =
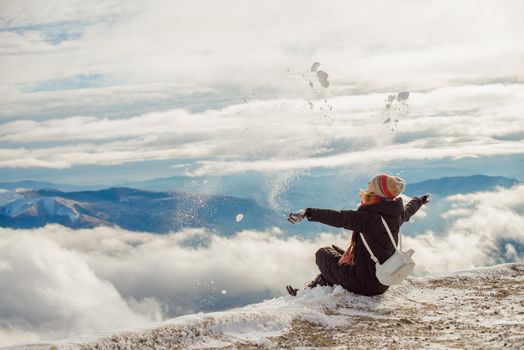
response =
{"points": [[321, 102], [396, 107], [322, 78], [316, 81], [402, 96], [223, 291], [239, 217]]}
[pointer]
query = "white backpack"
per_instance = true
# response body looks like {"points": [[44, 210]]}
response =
{"points": [[397, 267]]}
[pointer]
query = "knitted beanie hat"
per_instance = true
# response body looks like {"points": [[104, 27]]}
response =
{"points": [[388, 186]]}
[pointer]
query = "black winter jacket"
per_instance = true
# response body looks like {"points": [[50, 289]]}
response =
{"points": [[366, 219]]}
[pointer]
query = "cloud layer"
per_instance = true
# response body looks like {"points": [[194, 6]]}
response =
{"points": [[232, 43], [267, 135], [57, 282], [214, 84], [51, 291]]}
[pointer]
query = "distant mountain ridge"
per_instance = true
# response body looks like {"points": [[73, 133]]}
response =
{"points": [[325, 191], [162, 212], [245, 187], [459, 184], [38, 185], [441, 186], [132, 209]]}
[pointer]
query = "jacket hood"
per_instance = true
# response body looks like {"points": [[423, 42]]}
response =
{"points": [[388, 208]]}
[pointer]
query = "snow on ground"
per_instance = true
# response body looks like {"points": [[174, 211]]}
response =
{"points": [[475, 309]]}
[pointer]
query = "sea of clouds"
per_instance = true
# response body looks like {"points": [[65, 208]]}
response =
{"points": [[57, 282]]}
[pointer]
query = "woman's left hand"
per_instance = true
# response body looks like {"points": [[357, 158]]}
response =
{"points": [[426, 198]]}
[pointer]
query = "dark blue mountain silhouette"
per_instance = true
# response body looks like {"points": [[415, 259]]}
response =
{"points": [[38, 185], [133, 209], [459, 184], [162, 212]]}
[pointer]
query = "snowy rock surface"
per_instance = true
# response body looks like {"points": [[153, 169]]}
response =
{"points": [[15, 203], [476, 309]]}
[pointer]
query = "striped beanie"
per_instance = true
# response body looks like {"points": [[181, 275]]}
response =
{"points": [[388, 186]]}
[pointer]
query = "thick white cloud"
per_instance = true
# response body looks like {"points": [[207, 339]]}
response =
{"points": [[266, 135], [107, 101], [234, 42], [489, 110], [160, 54], [57, 281], [50, 291], [478, 222], [32, 12]]}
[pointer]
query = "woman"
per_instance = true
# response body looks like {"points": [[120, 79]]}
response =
{"points": [[353, 269]]}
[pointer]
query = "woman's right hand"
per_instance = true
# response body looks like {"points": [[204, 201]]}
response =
{"points": [[297, 217]]}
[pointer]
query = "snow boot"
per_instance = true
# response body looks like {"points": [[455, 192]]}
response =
{"points": [[292, 291], [318, 281]]}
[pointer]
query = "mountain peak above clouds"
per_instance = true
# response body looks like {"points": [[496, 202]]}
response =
{"points": [[144, 210], [132, 209], [478, 308], [25, 208]]}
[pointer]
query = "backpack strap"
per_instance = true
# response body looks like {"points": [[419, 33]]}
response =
{"points": [[391, 236], [373, 257]]}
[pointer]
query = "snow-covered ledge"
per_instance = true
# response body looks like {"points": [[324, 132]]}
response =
{"points": [[475, 309]]}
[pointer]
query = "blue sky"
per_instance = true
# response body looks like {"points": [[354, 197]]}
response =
{"points": [[109, 93]]}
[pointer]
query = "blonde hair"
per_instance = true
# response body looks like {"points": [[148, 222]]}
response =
{"points": [[367, 197]]}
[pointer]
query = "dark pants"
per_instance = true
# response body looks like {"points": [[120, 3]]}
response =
{"points": [[332, 273]]}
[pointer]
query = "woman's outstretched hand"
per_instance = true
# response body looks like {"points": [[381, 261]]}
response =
{"points": [[297, 217], [426, 198]]}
